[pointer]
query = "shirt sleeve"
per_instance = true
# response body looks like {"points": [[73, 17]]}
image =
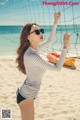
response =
{"points": [[50, 39], [40, 63]]}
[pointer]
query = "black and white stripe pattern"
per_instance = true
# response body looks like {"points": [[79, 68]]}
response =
{"points": [[36, 66]]}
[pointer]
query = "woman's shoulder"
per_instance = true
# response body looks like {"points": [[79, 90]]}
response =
{"points": [[28, 54], [26, 57]]}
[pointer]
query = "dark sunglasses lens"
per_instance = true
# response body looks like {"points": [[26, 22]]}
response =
{"points": [[37, 32], [42, 30]]}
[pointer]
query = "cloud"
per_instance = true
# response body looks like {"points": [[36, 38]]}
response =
{"points": [[3, 2]]}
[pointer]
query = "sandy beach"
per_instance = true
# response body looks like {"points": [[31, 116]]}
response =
{"points": [[58, 98]]}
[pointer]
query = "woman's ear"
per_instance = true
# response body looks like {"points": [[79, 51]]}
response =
{"points": [[29, 38]]}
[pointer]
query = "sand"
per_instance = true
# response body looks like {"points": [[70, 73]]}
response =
{"points": [[58, 98]]}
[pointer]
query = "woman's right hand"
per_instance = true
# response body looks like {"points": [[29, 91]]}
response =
{"points": [[66, 40], [56, 17]]}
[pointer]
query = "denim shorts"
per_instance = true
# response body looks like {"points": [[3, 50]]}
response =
{"points": [[20, 97]]}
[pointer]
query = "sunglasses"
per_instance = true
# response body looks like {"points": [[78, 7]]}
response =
{"points": [[37, 32]]}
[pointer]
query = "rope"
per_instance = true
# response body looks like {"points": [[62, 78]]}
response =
{"points": [[35, 11]]}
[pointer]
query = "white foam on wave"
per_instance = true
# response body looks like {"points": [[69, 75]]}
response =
{"points": [[3, 2]]}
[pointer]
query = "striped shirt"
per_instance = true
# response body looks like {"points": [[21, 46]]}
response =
{"points": [[36, 66]]}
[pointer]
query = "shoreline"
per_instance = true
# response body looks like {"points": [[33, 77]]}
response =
{"points": [[8, 56]]}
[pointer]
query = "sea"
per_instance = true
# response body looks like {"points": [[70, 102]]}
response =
{"points": [[10, 38]]}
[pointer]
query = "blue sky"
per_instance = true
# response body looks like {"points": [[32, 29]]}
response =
{"points": [[19, 12]]}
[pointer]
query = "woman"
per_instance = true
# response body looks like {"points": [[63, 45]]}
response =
{"points": [[31, 64]]}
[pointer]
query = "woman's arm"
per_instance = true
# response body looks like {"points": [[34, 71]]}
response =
{"points": [[53, 32], [50, 39], [40, 63]]}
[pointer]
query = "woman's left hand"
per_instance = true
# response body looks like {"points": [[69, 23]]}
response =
{"points": [[56, 17], [66, 40]]}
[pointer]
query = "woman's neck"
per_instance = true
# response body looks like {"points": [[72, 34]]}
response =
{"points": [[34, 47]]}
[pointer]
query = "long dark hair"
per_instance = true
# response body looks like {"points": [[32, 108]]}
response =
{"points": [[24, 45]]}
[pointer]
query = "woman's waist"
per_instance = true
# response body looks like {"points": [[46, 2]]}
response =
{"points": [[32, 82], [29, 88]]}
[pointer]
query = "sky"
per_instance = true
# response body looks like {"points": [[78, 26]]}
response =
{"points": [[19, 12]]}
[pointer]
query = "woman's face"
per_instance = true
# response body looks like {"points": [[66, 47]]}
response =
{"points": [[33, 37]]}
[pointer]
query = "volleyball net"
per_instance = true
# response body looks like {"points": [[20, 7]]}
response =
{"points": [[41, 12]]}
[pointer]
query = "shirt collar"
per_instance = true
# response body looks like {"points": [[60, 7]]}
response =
{"points": [[33, 50]]}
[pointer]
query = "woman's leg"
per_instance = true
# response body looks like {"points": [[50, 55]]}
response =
{"points": [[27, 109]]}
